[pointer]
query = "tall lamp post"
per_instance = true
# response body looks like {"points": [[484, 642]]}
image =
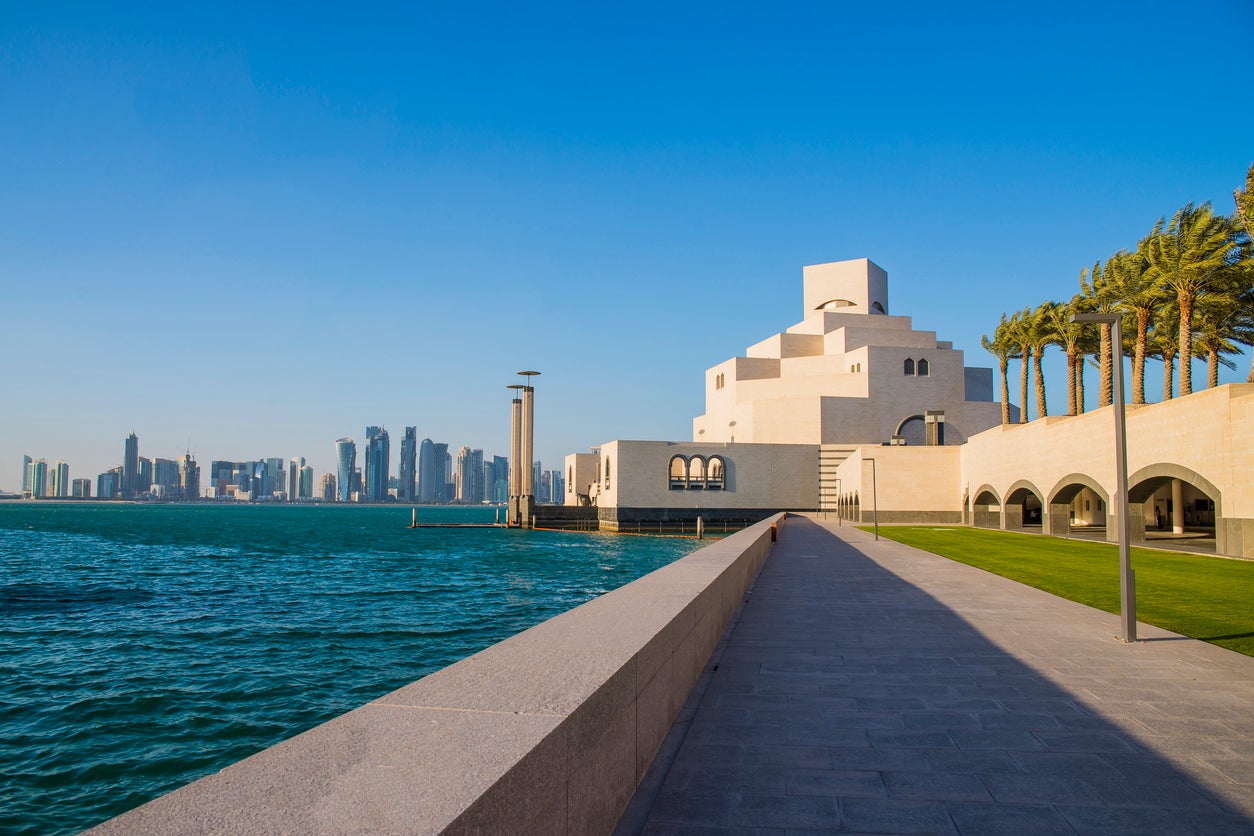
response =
{"points": [[512, 516], [875, 499], [1127, 579]]}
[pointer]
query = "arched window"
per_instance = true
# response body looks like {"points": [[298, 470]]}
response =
{"points": [[910, 366], [696, 474], [678, 471], [834, 305], [859, 367], [877, 307], [570, 480], [607, 473], [851, 368], [716, 477], [923, 368]]}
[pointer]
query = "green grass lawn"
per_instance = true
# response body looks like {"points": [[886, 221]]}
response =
{"points": [[1208, 598]]}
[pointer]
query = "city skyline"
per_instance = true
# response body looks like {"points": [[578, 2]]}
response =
{"points": [[210, 206], [138, 477]]}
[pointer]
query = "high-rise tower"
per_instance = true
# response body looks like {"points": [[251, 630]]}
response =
{"points": [[130, 467], [378, 455], [346, 463], [430, 473], [406, 490]]}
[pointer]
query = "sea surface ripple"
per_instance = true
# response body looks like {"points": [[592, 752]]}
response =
{"points": [[142, 646]]}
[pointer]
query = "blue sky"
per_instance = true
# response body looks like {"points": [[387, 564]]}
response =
{"points": [[255, 231]]}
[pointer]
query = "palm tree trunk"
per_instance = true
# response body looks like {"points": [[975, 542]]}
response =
{"points": [[1185, 343], [1169, 370], [1079, 385], [1041, 411], [1071, 382], [1023, 384], [1005, 391], [1106, 396], [1138, 357], [1212, 368]]}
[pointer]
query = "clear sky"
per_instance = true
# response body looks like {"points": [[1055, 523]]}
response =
{"points": [[254, 228]]}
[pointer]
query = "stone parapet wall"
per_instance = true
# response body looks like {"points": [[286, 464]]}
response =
{"points": [[549, 731]]}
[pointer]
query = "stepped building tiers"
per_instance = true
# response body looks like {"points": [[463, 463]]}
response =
{"points": [[780, 419], [854, 411]]}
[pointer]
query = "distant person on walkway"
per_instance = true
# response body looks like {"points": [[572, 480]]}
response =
{"points": [[1158, 518]]}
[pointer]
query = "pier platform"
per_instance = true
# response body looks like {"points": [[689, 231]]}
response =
{"points": [[869, 687]]}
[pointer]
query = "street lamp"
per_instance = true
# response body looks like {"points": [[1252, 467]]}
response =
{"points": [[875, 498], [1127, 580]]}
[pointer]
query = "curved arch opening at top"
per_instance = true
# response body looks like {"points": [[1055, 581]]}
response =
{"points": [[834, 305], [696, 473], [876, 307], [986, 495], [677, 472], [1147, 480], [716, 474], [1069, 486]]}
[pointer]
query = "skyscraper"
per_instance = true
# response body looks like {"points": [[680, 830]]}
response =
{"points": [[39, 478], [189, 478], [61, 479], [130, 466], [109, 483], [80, 488], [305, 483], [430, 472], [26, 460], [463, 476], [293, 478], [346, 463], [378, 456], [406, 490], [165, 472], [327, 488]]}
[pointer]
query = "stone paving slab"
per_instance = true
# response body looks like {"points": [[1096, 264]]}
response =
{"points": [[869, 687]]}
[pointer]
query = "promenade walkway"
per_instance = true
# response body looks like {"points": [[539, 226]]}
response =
{"points": [[870, 687]]}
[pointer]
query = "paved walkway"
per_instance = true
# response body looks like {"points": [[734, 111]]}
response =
{"points": [[870, 687]]}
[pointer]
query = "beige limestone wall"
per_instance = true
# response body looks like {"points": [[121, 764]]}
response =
{"points": [[546, 732], [1201, 438], [907, 484], [859, 280], [762, 476], [581, 472]]}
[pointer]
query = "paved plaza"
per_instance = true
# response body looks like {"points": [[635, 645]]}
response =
{"points": [[869, 687]]}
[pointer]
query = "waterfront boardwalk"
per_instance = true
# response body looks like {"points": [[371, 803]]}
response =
{"points": [[870, 687]]}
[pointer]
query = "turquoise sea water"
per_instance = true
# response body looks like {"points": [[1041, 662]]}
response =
{"points": [[142, 647]]}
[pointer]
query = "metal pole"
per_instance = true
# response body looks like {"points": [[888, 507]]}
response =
{"points": [[875, 499], [1127, 582], [838, 514], [1127, 579]]}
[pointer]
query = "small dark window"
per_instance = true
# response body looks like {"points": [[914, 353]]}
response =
{"points": [[923, 368], [909, 366]]}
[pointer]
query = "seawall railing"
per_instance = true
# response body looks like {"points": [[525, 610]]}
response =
{"points": [[549, 731]]}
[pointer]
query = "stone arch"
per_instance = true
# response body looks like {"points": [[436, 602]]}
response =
{"points": [[696, 473], [1061, 514], [1143, 483], [1068, 486], [984, 517], [1181, 518], [1024, 504], [677, 472], [980, 496], [914, 435]]}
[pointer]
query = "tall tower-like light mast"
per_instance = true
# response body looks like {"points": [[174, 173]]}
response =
{"points": [[512, 514], [527, 488]]}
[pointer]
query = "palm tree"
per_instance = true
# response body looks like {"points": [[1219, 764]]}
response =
{"points": [[1132, 282], [1040, 330], [1163, 342], [1190, 257], [1216, 320], [1021, 333], [1099, 299], [1003, 347], [1069, 336], [1245, 204]]}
